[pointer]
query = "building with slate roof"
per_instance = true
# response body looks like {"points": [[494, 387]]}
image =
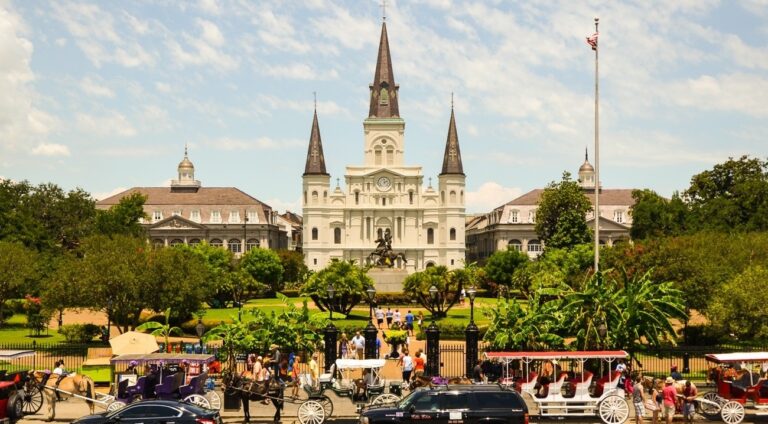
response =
{"points": [[384, 194], [512, 225], [189, 213]]}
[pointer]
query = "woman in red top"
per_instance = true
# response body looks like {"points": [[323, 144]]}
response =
{"points": [[418, 364]]}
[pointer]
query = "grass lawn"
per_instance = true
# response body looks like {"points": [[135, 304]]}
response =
{"points": [[15, 331]]}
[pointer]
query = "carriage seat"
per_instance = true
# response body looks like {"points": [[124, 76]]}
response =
{"points": [[169, 387], [530, 382], [122, 389], [327, 378], [135, 390], [606, 383], [556, 386], [581, 383], [195, 386]]}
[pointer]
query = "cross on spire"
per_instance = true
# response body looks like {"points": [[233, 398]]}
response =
{"points": [[314, 94], [451, 100], [383, 6]]}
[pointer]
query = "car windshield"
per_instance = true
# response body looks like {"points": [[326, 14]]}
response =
{"points": [[407, 401]]}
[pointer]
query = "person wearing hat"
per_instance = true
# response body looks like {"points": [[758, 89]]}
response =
{"points": [[675, 374], [669, 393]]}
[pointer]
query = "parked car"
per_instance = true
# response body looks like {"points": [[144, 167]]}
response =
{"points": [[468, 404], [155, 412]]}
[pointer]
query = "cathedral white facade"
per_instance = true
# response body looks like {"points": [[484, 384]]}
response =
{"points": [[426, 223]]}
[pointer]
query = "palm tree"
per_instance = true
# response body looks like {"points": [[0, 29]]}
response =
{"points": [[588, 309], [161, 330], [517, 327]]}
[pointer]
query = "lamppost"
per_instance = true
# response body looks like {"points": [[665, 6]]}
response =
{"points": [[370, 331], [200, 330], [433, 338], [471, 334], [330, 332], [109, 320]]}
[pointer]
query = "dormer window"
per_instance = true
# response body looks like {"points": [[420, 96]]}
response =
{"points": [[514, 217], [157, 216], [532, 216], [618, 216]]}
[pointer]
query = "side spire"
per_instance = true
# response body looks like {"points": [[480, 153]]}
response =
{"points": [[384, 91], [452, 156], [315, 158]]}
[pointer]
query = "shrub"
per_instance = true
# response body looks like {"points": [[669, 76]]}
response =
{"points": [[394, 298], [80, 333], [450, 331], [290, 292]]}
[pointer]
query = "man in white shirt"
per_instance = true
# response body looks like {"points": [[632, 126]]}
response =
{"points": [[359, 343]]}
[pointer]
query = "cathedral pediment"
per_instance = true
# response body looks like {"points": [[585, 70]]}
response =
{"points": [[384, 171], [176, 223]]}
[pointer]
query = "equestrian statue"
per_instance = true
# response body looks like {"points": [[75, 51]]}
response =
{"points": [[384, 255]]}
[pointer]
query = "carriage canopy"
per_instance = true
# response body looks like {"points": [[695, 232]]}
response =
{"points": [[575, 354], [171, 358], [343, 364], [737, 357], [9, 355]]}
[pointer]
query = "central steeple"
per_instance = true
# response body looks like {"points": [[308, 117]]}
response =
{"points": [[384, 90]]}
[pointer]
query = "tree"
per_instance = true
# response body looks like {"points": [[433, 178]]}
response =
{"points": [[264, 266], [741, 310], [161, 330], [503, 264], [553, 268], [178, 279], [654, 216], [293, 263], [17, 267], [586, 309], [417, 286], [123, 218], [293, 329], [220, 264], [561, 216], [349, 283], [241, 286], [731, 196], [235, 337], [61, 289], [517, 327]]}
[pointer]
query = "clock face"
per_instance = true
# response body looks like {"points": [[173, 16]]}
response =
{"points": [[383, 183]]}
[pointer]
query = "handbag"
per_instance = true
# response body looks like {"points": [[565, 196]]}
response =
{"points": [[651, 405]]}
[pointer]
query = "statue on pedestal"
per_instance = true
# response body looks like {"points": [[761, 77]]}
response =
{"points": [[384, 255]]}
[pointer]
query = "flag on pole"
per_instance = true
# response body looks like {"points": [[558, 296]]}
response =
{"points": [[592, 41]]}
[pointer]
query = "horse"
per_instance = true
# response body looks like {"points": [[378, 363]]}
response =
{"points": [[252, 390], [459, 380], [80, 385], [386, 258]]}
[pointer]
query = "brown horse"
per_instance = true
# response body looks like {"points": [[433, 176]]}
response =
{"points": [[251, 390], [79, 385], [459, 380]]}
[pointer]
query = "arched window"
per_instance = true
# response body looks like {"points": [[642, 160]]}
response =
{"points": [[357, 197], [410, 197], [430, 236], [534, 246], [377, 156], [305, 196], [462, 196], [442, 197], [314, 197], [194, 242], [314, 233], [337, 235], [217, 243], [452, 197], [158, 242], [234, 246], [515, 245], [383, 97], [176, 242], [380, 233], [390, 156], [252, 244], [430, 264], [383, 201], [452, 234]]}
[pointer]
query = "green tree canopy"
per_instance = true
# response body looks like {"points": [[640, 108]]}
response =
{"points": [[296, 270], [741, 310], [17, 267], [123, 218], [654, 216], [518, 326], [561, 216], [349, 282], [500, 268], [417, 286], [220, 264], [264, 266]]}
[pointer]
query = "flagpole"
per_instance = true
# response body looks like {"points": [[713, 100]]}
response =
{"points": [[597, 157]]}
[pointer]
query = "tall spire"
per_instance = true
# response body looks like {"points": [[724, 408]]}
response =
{"points": [[452, 156], [384, 90], [315, 158]]}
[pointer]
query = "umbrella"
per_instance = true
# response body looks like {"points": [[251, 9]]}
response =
{"points": [[133, 342]]}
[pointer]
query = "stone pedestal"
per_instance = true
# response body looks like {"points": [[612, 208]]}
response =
{"points": [[388, 280]]}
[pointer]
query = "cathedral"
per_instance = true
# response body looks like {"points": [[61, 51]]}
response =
{"points": [[384, 195]]}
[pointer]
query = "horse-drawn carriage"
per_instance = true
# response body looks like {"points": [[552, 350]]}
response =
{"points": [[559, 383], [170, 376], [17, 398], [739, 383]]}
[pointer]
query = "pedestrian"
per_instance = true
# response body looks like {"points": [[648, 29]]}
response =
{"points": [[621, 366], [675, 374], [420, 320], [669, 395], [379, 317], [638, 398], [689, 396], [409, 318], [314, 371], [462, 296], [477, 372], [654, 403], [358, 342], [295, 374], [344, 350], [398, 319], [418, 364], [389, 315], [406, 362]]}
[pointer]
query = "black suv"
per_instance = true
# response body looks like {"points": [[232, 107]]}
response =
{"points": [[465, 404]]}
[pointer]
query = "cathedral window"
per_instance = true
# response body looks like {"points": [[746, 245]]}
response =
{"points": [[462, 196], [399, 227], [314, 197], [383, 97], [305, 197], [234, 246], [377, 156], [442, 197], [216, 243], [410, 197], [383, 201], [452, 234], [452, 197], [514, 217], [314, 233], [337, 235], [252, 244], [618, 216], [380, 233], [215, 217], [430, 236], [368, 228], [357, 197], [390, 156]]}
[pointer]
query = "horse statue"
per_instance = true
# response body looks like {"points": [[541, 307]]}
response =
{"points": [[252, 390], [80, 385]]}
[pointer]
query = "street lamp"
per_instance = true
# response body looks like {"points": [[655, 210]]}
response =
{"points": [[471, 334], [330, 333], [472, 292], [371, 293], [331, 293], [433, 297], [370, 331], [200, 330]]}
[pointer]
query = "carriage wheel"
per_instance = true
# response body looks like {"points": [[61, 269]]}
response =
{"points": [[214, 399], [326, 402], [198, 400], [33, 399], [714, 397], [384, 398], [115, 405], [311, 412], [15, 407], [732, 412], [710, 409], [613, 410]]}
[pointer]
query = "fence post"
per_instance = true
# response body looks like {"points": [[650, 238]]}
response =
{"points": [[470, 336], [686, 362], [433, 350], [371, 333], [330, 345]]}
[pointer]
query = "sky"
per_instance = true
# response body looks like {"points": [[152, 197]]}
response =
{"points": [[104, 95]]}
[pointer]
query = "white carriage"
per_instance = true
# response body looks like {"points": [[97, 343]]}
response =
{"points": [[569, 389]]}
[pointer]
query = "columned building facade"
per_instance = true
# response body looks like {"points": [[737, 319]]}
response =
{"points": [[384, 194]]}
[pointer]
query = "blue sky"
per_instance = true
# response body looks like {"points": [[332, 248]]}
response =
{"points": [[104, 95]]}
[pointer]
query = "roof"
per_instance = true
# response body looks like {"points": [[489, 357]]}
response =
{"points": [[315, 158], [452, 155], [576, 354], [384, 79], [738, 357], [9, 355], [608, 196], [173, 358], [203, 196]]}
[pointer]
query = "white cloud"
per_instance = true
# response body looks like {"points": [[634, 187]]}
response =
{"points": [[742, 93], [205, 50], [278, 32], [112, 124], [209, 6], [300, 71], [101, 195], [61, 42], [163, 87], [50, 149], [261, 143], [93, 88], [489, 195], [281, 205], [270, 103]]}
